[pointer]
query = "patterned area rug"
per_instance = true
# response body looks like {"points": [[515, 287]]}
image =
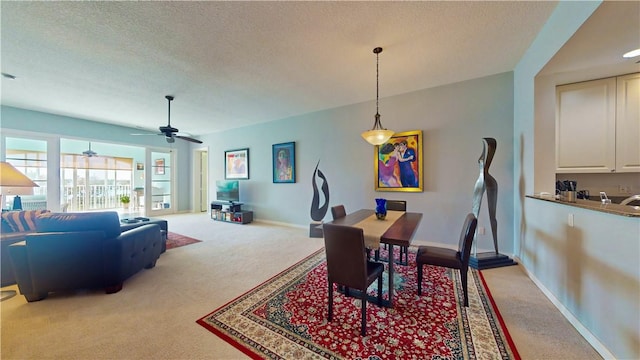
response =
{"points": [[286, 318], [176, 240]]}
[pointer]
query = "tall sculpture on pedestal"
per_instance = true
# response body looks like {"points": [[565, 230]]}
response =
{"points": [[487, 183], [318, 211]]}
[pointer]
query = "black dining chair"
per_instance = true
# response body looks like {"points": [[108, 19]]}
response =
{"points": [[347, 265], [399, 205], [439, 256], [338, 211]]}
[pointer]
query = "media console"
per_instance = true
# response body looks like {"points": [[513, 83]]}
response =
{"points": [[230, 212]]}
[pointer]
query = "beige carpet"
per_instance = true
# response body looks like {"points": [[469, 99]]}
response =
{"points": [[154, 315]]}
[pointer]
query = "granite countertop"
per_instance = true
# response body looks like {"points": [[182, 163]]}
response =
{"points": [[616, 209]]}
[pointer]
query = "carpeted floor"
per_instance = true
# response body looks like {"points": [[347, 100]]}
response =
{"points": [[153, 316], [285, 318], [176, 240]]}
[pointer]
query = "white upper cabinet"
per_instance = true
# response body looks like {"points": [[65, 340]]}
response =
{"points": [[598, 126], [628, 124]]}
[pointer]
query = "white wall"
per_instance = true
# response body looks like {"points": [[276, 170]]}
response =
{"points": [[590, 271], [454, 119]]}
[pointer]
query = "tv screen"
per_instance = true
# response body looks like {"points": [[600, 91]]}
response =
{"points": [[228, 190]]}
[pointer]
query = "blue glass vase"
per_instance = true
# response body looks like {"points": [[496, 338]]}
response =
{"points": [[381, 208]]}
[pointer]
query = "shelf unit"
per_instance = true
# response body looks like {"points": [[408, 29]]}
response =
{"points": [[230, 212]]}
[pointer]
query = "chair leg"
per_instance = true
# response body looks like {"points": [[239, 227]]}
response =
{"points": [[419, 279], [377, 257], [363, 327], [463, 275], [330, 302], [380, 290]]}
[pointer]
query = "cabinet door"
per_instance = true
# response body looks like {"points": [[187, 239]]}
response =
{"points": [[628, 124], [585, 127]]}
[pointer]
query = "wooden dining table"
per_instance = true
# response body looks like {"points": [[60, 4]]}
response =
{"points": [[399, 233]]}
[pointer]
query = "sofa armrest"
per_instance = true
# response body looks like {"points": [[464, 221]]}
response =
{"points": [[66, 260], [6, 271], [131, 251]]}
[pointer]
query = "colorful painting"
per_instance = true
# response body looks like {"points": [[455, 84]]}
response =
{"points": [[398, 163], [284, 162], [236, 164]]}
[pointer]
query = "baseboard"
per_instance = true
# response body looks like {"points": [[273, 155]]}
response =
{"points": [[582, 330]]}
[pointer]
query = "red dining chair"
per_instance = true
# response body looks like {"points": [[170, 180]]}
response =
{"points": [[439, 256], [347, 265]]}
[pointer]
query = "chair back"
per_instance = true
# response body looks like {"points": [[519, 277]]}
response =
{"points": [[346, 257], [338, 211], [397, 205], [466, 238]]}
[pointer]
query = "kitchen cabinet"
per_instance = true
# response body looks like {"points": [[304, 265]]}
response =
{"points": [[598, 126], [628, 123]]}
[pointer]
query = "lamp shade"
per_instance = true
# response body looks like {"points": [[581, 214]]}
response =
{"points": [[10, 177], [377, 137]]}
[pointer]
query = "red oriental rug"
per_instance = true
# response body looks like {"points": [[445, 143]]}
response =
{"points": [[286, 318], [176, 240]]}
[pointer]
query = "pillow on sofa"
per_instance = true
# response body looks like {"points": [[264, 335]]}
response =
{"points": [[107, 221], [20, 221]]}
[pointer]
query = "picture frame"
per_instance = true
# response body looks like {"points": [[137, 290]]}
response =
{"points": [[284, 162], [393, 174], [139, 166], [159, 166], [236, 164]]}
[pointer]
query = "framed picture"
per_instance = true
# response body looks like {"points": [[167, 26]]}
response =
{"points": [[236, 164], [139, 166], [398, 163], [159, 167], [284, 162]]}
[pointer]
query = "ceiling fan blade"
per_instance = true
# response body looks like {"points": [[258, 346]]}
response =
{"points": [[145, 134], [188, 139]]}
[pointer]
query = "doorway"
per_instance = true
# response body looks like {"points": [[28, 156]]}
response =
{"points": [[201, 180]]}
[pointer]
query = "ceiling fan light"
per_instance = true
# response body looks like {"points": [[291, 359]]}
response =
{"points": [[632, 54]]}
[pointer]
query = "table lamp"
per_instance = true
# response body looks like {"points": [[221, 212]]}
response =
{"points": [[13, 182]]}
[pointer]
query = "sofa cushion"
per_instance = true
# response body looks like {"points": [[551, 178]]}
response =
{"points": [[106, 221], [20, 221]]}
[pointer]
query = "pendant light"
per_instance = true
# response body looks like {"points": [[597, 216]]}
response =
{"points": [[378, 135]]}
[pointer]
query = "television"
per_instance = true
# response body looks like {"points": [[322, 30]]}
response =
{"points": [[228, 190]]}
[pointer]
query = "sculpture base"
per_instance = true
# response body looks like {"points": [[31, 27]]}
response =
{"points": [[315, 230], [489, 260]]}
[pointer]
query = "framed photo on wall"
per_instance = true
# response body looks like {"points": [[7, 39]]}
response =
{"points": [[159, 167], [236, 164], [398, 163], [284, 162]]}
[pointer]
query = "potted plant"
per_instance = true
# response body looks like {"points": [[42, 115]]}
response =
{"points": [[125, 199]]}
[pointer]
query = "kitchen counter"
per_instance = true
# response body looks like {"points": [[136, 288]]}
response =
{"points": [[616, 209]]}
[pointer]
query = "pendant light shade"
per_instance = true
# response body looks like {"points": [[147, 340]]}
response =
{"points": [[377, 135]]}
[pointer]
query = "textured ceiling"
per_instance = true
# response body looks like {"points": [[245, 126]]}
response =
{"points": [[232, 64]]}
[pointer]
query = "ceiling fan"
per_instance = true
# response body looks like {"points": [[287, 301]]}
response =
{"points": [[89, 153], [169, 132]]}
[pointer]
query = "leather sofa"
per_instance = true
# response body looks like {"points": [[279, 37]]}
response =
{"points": [[14, 228], [82, 250]]}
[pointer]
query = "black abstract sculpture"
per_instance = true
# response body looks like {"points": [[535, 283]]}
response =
{"points": [[318, 212]]}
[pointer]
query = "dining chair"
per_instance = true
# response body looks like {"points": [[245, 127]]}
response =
{"points": [[347, 265], [399, 205], [338, 211], [450, 258]]}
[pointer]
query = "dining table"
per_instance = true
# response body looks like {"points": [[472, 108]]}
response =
{"points": [[397, 229]]}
